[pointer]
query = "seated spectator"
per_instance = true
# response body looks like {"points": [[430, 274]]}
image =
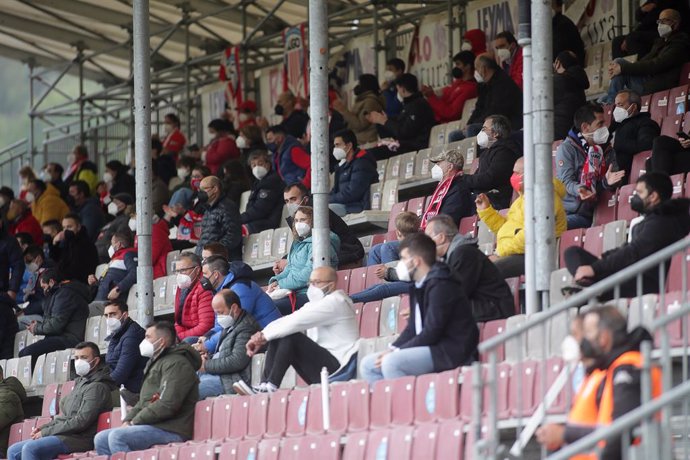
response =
{"points": [[665, 221], [65, 311], [452, 194], [8, 326], [165, 411], [485, 288], [368, 98], [411, 128], [669, 156], [50, 230], [12, 395], [354, 175], [21, 220], [160, 244], [119, 180], [569, 84], [121, 274], [164, 165], [230, 364], [351, 249], [585, 165], [36, 263], [11, 263], [73, 252], [509, 256], [265, 204], [80, 168], [294, 276], [441, 333], [45, 201], [498, 95], [174, 140], [221, 220], [644, 32], [159, 189], [74, 428], [633, 131], [449, 101], [291, 160], [6, 196], [26, 175], [182, 219], [331, 339], [295, 120], [194, 152], [394, 69], [566, 35], [183, 174], [234, 179], [215, 249], [657, 70], [123, 358], [249, 140], [495, 161], [88, 208], [193, 313], [509, 55], [222, 147], [52, 174], [474, 40], [121, 208], [406, 223]]}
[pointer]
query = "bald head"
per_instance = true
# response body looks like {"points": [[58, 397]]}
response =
{"points": [[673, 15], [323, 278], [212, 186]]}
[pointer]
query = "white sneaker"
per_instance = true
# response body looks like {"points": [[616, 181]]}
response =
{"points": [[241, 388]]}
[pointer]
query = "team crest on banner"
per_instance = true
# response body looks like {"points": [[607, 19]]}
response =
{"points": [[230, 72], [295, 61]]}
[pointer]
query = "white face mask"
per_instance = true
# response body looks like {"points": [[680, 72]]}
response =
{"points": [[466, 46], [3, 201], [483, 139], [259, 172], [225, 321], [570, 349], [82, 367], [503, 54], [303, 229], [436, 172], [112, 325], [147, 349], [478, 77], [107, 178], [30, 197], [600, 136], [111, 251], [241, 143], [664, 30], [389, 76], [402, 271], [400, 97], [112, 209], [620, 114], [132, 224], [71, 158], [314, 294], [183, 281], [182, 173], [43, 175], [339, 153]]}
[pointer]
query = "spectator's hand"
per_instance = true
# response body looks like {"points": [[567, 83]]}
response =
{"points": [[551, 436], [378, 118], [255, 343], [169, 212], [482, 202], [339, 105], [32, 327], [624, 45], [272, 287], [92, 280], [114, 293], [586, 193], [493, 257], [380, 271], [36, 433], [685, 143], [200, 347], [583, 273], [12, 295], [614, 69], [379, 359], [613, 177], [59, 237], [384, 85], [125, 424], [279, 266]]}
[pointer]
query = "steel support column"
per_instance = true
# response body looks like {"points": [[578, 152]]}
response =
{"points": [[187, 77], [318, 88], [32, 117], [142, 125], [451, 25], [80, 63]]}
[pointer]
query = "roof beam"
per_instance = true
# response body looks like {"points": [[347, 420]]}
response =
{"points": [[206, 7], [40, 60]]}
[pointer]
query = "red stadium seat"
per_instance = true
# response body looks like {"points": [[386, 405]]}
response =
{"points": [[686, 123], [343, 281], [326, 447], [671, 125], [424, 445], [204, 451], [684, 74], [187, 452], [514, 285], [570, 238], [65, 390], [467, 393], [624, 197], [203, 413], [678, 185], [104, 421], [403, 401], [15, 433], [646, 100], [314, 410], [395, 210], [378, 444], [371, 278], [50, 400], [239, 416], [355, 446], [400, 445], [522, 388], [426, 401], [228, 450], [674, 280], [291, 449], [594, 240], [659, 105], [554, 366], [27, 428], [381, 400], [123, 455], [605, 211], [672, 302], [358, 406], [168, 452], [417, 205], [369, 326], [503, 387], [639, 166], [450, 439], [246, 449], [269, 449], [678, 100], [403, 312], [378, 239], [468, 225], [358, 312], [220, 425], [116, 418], [149, 454], [339, 406], [448, 395], [494, 328], [358, 278], [258, 414], [277, 414]]}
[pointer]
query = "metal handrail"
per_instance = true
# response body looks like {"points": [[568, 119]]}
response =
{"points": [[584, 296], [627, 421]]}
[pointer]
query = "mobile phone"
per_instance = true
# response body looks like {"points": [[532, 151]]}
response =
{"points": [[683, 135]]}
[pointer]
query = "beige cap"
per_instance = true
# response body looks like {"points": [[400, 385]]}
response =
{"points": [[452, 156]]}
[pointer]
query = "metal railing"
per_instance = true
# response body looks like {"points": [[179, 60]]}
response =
{"points": [[534, 339], [12, 158]]}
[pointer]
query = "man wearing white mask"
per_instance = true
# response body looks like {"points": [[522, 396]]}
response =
{"points": [[496, 161], [122, 269], [394, 68], [452, 196], [265, 204], [194, 316], [633, 131], [331, 340], [657, 70], [169, 393], [74, 428], [585, 163], [509, 55], [441, 333], [230, 364], [353, 178], [123, 358]]}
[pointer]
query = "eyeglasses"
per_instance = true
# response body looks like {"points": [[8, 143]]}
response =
{"points": [[319, 282], [183, 270]]}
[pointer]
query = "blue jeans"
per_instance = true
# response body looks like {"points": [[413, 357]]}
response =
{"points": [[210, 385], [383, 253], [381, 291], [130, 438], [41, 449], [620, 82], [470, 131], [399, 363], [578, 221]]}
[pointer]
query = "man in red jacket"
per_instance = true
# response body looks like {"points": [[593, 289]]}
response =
{"points": [[194, 315], [509, 56], [449, 101], [22, 221], [160, 244]]}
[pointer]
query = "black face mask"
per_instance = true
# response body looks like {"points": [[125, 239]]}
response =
{"points": [[202, 196], [47, 238], [457, 72], [589, 350], [206, 284], [69, 234], [279, 109], [637, 204]]}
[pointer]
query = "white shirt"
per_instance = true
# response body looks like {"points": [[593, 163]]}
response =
{"points": [[417, 312]]}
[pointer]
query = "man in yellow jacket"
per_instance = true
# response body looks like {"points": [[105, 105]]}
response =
{"points": [[45, 201], [509, 256]]}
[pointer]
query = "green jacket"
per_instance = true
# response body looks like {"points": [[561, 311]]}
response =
{"points": [[77, 425], [12, 394], [169, 392]]}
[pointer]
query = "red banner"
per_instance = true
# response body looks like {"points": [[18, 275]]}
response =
{"points": [[231, 73], [295, 74]]}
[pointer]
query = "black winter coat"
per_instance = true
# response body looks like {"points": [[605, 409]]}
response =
{"points": [[495, 168], [76, 257], [124, 183], [634, 135], [265, 205], [569, 95], [413, 126], [65, 312], [665, 224], [8, 327], [124, 359], [118, 225], [458, 202], [11, 261], [221, 223], [499, 96], [566, 37], [448, 327], [353, 181]]}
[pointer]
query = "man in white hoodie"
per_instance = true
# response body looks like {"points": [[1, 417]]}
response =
{"points": [[331, 338]]}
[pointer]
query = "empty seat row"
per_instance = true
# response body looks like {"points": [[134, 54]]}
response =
{"points": [[267, 246], [50, 368]]}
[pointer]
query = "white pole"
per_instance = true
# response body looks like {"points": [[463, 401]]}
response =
{"points": [[325, 402]]}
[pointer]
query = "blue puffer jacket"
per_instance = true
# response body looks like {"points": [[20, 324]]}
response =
{"points": [[299, 264], [287, 166], [124, 359], [353, 182]]}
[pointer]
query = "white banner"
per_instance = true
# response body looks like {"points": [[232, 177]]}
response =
{"points": [[493, 17]]}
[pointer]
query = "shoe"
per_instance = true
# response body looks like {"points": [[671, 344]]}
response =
{"points": [[241, 388]]}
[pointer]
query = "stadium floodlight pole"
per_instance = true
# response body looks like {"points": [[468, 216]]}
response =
{"points": [[525, 41], [318, 96], [542, 134], [142, 155]]}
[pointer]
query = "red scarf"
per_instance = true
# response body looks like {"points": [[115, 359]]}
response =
{"points": [[436, 200]]}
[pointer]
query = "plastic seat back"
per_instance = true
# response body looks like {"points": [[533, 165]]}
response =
{"points": [[277, 414], [369, 326], [203, 416], [258, 415], [220, 418], [296, 414], [358, 278], [570, 238], [639, 165], [50, 399], [658, 106], [615, 234], [424, 445], [605, 212], [388, 322], [594, 240], [672, 124], [396, 209]]}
